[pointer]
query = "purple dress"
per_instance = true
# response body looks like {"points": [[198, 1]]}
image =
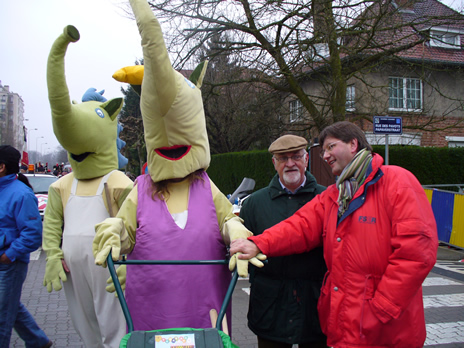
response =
{"points": [[169, 296]]}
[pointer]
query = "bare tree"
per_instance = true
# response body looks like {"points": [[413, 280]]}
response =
{"points": [[290, 41], [239, 117]]}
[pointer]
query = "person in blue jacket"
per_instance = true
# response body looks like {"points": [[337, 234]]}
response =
{"points": [[20, 234]]}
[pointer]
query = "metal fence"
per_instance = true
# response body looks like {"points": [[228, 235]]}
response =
{"points": [[447, 187]]}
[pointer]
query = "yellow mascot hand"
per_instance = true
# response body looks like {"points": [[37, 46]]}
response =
{"points": [[107, 238], [242, 265], [121, 273], [54, 274]]}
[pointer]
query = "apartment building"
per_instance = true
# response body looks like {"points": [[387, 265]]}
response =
{"points": [[12, 130]]}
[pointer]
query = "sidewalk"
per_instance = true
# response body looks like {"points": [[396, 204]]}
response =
{"points": [[450, 253]]}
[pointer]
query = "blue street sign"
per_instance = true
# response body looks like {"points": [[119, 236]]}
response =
{"points": [[388, 125]]}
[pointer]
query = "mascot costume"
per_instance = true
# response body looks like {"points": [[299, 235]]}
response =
{"points": [[175, 212], [93, 191]]}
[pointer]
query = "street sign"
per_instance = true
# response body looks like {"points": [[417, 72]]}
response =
{"points": [[388, 125]]}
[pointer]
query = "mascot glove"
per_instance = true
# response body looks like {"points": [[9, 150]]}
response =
{"points": [[121, 273], [242, 265], [54, 274], [107, 238]]}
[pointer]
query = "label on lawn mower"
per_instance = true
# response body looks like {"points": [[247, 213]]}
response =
{"points": [[175, 341]]}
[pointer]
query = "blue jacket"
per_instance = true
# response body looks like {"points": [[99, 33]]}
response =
{"points": [[20, 222]]}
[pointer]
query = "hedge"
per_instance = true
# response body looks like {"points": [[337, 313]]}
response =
{"points": [[431, 165]]}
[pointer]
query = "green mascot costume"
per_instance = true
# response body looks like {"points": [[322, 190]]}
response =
{"points": [[93, 191]]}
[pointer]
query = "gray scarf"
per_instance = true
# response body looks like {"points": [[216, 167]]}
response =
{"points": [[351, 178]]}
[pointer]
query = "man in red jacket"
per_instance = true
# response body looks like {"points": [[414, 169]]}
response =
{"points": [[380, 241]]}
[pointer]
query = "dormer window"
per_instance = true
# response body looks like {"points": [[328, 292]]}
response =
{"points": [[445, 38]]}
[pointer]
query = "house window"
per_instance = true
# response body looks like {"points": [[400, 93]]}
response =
{"points": [[445, 39], [405, 94], [350, 95], [454, 141], [296, 110]]}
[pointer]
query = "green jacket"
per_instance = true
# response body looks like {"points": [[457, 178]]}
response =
{"points": [[284, 293]]}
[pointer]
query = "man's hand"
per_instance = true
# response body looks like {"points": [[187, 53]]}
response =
{"points": [[54, 275], [240, 259], [4, 259], [247, 248]]}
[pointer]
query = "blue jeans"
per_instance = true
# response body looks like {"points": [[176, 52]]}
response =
{"points": [[13, 314]]}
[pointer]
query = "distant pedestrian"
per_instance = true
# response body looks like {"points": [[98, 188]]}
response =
{"points": [[20, 234]]}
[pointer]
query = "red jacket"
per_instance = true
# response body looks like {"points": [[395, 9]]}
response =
{"points": [[378, 254]]}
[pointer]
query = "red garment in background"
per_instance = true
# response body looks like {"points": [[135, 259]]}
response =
{"points": [[25, 159]]}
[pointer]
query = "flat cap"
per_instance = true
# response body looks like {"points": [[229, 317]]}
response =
{"points": [[8, 154], [288, 143]]}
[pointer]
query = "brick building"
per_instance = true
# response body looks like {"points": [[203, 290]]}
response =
{"points": [[423, 84]]}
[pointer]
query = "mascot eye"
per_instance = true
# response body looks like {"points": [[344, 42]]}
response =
{"points": [[100, 112]]}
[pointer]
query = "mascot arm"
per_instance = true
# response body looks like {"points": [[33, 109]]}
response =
{"points": [[128, 214], [52, 228], [230, 224], [122, 194], [52, 232], [232, 228], [120, 187]]}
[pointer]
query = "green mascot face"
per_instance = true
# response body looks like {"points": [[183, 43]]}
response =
{"points": [[88, 131]]}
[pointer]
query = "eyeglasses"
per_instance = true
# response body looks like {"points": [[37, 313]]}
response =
{"points": [[294, 158], [329, 148]]}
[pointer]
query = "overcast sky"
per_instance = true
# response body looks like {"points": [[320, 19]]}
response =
{"points": [[109, 41]]}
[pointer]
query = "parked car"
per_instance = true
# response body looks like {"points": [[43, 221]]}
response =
{"points": [[40, 184]]}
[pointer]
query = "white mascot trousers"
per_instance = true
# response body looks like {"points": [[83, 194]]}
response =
{"points": [[96, 314]]}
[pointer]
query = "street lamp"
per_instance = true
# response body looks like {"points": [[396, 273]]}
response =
{"points": [[37, 146], [29, 137], [41, 148]]}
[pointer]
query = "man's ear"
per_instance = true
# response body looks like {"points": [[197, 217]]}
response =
{"points": [[354, 146], [2, 169]]}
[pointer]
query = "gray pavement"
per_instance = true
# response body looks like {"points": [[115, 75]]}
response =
{"points": [[443, 302]]}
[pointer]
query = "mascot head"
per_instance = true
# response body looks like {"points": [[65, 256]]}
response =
{"points": [[89, 130], [171, 105]]}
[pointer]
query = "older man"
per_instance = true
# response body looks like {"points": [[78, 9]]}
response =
{"points": [[380, 241], [284, 294]]}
